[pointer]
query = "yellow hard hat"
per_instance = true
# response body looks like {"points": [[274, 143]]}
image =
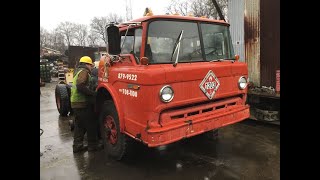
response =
{"points": [[86, 59]]}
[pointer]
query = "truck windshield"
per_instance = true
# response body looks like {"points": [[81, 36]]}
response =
{"points": [[162, 35], [161, 39], [216, 42]]}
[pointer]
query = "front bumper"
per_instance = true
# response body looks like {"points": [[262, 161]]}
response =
{"points": [[172, 132]]}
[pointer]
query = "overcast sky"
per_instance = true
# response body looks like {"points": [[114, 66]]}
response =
{"points": [[52, 12]]}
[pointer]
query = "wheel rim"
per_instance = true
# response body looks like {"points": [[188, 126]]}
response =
{"points": [[110, 130]]}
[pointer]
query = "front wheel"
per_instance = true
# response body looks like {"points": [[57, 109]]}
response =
{"points": [[116, 144]]}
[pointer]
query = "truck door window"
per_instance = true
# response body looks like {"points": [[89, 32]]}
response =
{"points": [[128, 44], [162, 36], [132, 43], [137, 42]]}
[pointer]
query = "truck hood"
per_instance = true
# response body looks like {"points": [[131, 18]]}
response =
{"points": [[186, 79]]}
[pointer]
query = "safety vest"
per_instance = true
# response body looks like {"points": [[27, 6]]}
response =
{"points": [[77, 96]]}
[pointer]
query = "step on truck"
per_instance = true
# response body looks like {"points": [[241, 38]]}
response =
{"points": [[166, 78]]}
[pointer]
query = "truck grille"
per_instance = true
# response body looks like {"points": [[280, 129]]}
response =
{"points": [[198, 110]]}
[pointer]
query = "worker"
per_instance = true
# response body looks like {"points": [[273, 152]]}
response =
{"points": [[93, 85], [82, 99]]}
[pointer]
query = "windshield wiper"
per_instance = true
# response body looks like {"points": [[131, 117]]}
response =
{"points": [[175, 47], [224, 59]]}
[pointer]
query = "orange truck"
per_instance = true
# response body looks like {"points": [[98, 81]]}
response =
{"points": [[166, 78]]}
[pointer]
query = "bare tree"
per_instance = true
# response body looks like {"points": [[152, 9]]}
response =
{"points": [[198, 8], [98, 25], [55, 40], [43, 37], [67, 29], [201, 8], [58, 41], [180, 7], [223, 6], [92, 39], [81, 33], [50, 40], [112, 17]]}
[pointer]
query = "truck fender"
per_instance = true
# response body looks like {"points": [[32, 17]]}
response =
{"points": [[116, 100]]}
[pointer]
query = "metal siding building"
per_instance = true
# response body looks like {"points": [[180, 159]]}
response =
{"points": [[256, 34], [270, 41], [236, 19]]}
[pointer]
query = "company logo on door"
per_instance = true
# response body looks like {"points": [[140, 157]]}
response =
{"points": [[210, 84]]}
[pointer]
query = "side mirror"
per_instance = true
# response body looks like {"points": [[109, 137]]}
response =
{"points": [[236, 57], [144, 61], [113, 40]]}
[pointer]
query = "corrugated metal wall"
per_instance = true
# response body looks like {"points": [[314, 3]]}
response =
{"points": [[252, 39], [260, 20], [270, 41], [236, 20]]}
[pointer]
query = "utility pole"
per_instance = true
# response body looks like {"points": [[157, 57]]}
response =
{"points": [[128, 10]]}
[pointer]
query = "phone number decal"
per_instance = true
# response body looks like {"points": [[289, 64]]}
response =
{"points": [[129, 92], [132, 77]]}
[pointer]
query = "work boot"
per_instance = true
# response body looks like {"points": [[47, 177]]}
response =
{"points": [[79, 148], [97, 147]]}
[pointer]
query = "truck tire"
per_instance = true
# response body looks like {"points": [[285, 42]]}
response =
{"points": [[116, 144], [62, 99], [69, 94]]}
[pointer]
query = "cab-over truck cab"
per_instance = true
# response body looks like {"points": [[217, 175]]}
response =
{"points": [[166, 78]]}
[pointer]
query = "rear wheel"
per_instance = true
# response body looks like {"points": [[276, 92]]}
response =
{"points": [[116, 144], [69, 100], [62, 99]]}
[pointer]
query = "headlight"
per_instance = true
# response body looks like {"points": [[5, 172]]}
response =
{"points": [[166, 93], [242, 83]]}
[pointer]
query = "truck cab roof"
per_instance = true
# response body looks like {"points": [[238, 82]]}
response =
{"points": [[172, 17]]}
